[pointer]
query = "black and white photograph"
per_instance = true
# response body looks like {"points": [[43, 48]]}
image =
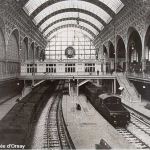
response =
{"points": [[75, 74]]}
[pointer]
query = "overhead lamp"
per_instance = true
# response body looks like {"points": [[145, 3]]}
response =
{"points": [[144, 87]]}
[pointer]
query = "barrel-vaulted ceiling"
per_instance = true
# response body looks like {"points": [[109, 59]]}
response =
{"points": [[89, 15]]}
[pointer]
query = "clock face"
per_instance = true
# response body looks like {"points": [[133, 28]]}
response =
{"points": [[70, 52]]}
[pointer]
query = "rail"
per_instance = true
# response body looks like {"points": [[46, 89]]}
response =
{"points": [[56, 131], [141, 123], [68, 137], [65, 75], [64, 72]]}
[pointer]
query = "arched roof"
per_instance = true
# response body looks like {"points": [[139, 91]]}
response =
{"points": [[68, 26], [45, 13], [69, 19]]}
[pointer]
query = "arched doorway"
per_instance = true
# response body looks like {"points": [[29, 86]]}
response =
{"points": [[31, 52], [134, 51], [2, 53], [24, 50], [105, 53], [13, 46], [111, 55], [12, 53], [147, 50], [121, 54], [105, 57]]}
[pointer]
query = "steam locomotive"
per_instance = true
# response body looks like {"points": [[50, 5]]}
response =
{"points": [[107, 104]]}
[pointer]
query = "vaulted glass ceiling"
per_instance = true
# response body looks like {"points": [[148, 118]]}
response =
{"points": [[115, 5], [71, 15], [73, 4], [51, 15]]}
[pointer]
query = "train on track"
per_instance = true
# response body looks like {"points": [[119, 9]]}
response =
{"points": [[18, 123], [107, 104]]}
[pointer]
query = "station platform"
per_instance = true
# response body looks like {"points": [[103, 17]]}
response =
{"points": [[7, 106], [87, 127], [7, 103]]}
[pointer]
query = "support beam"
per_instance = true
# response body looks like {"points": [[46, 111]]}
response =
{"points": [[77, 87], [69, 89], [83, 82], [115, 86]]}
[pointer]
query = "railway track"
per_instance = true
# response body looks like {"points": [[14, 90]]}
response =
{"points": [[133, 139], [55, 131], [137, 132]]}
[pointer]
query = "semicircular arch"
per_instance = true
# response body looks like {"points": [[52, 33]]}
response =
{"points": [[71, 25]]}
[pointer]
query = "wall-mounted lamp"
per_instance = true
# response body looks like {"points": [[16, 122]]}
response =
{"points": [[73, 78], [121, 88], [132, 45]]}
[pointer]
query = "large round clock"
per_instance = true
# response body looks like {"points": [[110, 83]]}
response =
{"points": [[70, 52]]}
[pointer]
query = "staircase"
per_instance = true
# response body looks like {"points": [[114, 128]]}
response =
{"points": [[129, 93]]}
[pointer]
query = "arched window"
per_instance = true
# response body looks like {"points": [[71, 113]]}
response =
{"points": [[31, 52], [134, 50], [111, 50], [12, 54], [24, 50], [13, 46], [2, 53]]}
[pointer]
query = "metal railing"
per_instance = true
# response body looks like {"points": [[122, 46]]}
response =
{"points": [[9, 76], [139, 75], [76, 73]]}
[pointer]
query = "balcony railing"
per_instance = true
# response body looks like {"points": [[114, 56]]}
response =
{"points": [[8, 76], [142, 75]]}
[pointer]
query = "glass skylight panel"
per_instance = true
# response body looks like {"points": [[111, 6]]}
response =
{"points": [[73, 4], [31, 5], [74, 15], [113, 4]]}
